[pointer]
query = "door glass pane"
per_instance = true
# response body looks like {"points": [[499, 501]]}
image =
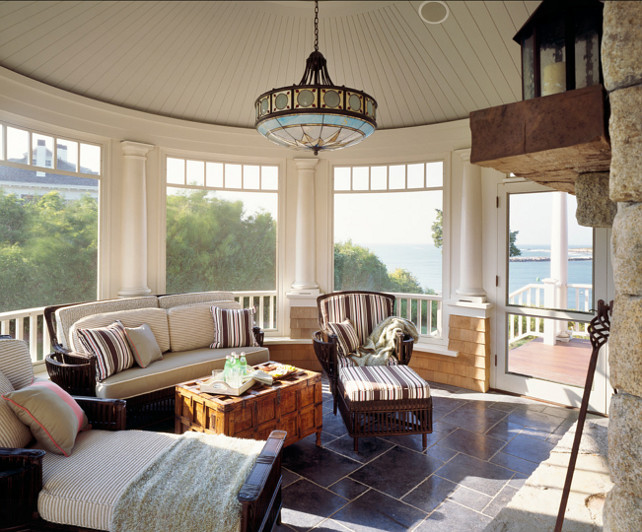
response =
{"points": [[548, 349], [550, 256]]}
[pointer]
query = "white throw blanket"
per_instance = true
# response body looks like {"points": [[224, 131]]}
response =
{"points": [[380, 345], [191, 486]]}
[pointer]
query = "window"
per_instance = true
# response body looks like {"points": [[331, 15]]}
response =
{"points": [[221, 230], [48, 218], [388, 235]]}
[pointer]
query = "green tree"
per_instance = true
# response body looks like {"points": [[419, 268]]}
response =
{"points": [[357, 268], [212, 245], [404, 281], [513, 250], [438, 229]]}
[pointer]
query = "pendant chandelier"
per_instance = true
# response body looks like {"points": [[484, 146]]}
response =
{"points": [[315, 114]]}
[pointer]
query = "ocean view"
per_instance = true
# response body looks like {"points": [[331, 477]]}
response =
{"points": [[533, 265]]}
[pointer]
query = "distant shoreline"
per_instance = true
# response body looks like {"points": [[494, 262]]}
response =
{"points": [[544, 259]]}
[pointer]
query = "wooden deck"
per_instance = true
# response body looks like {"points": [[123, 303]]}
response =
{"points": [[563, 362]]}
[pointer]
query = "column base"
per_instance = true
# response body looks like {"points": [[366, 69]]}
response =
{"points": [[133, 292]]}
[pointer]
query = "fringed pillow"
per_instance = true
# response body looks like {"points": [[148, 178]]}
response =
{"points": [[110, 346], [233, 327]]}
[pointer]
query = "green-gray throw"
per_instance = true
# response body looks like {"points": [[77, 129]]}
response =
{"points": [[191, 486], [380, 345]]}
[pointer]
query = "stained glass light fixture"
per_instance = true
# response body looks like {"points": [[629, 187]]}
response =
{"points": [[316, 115]]}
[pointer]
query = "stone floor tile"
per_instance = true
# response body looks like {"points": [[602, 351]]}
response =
{"points": [[413, 441], [306, 504], [288, 476], [452, 517], [430, 493], [505, 430], [499, 501], [397, 471], [369, 448], [471, 498], [473, 443], [475, 417], [515, 463], [476, 474], [376, 511], [348, 488], [529, 448]]}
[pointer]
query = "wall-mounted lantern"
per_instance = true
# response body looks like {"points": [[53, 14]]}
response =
{"points": [[561, 47]]}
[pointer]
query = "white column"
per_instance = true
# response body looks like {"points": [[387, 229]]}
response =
{"points": [[305, 242], [133, 219], [559, 258], [470, 251]]}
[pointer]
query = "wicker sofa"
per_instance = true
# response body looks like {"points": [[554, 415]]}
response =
{"points": [[183, 327], [83, 489]]}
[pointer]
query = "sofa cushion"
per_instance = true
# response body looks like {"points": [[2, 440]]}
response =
{"points": [[15, 362], [233, 327], [109, 346], [188, 298], [191, 326], [156, 318], [81, 490], [51, 413], [143, 344], [67, 316], [13, 432], [172, 369]]}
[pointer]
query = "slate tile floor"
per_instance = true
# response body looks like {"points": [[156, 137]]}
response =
{"points": [[482, 448]]}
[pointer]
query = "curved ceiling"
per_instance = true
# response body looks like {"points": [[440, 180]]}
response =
{"points": [[208, 61]]}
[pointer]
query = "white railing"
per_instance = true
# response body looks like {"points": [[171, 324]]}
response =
{"points": [[424, 310], [579, 297], [28, 324], [265, 304]]}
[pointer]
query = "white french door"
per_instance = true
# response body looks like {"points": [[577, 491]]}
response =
{"points": [[552, 273]]}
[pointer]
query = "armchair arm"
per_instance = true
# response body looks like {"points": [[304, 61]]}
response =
{"points": [[104, 414], [73, 372], [20, 484], [259, 335], [403, 347], [260, 495]]}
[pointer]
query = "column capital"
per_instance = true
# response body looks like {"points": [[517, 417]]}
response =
{"points": [[305, 164], [135, 149], [464, 154]]}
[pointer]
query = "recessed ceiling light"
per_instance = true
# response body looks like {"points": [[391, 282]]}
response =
{"points": [[433, 12]]}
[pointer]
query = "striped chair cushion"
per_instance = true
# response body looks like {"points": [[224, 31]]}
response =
{"points": [[13, 432], [386, 383], [15, 362], [364, 310], [109, 345], [346, 336], [233, 327]]}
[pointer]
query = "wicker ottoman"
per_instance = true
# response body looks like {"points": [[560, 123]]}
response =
{"points": [[384, 401]]}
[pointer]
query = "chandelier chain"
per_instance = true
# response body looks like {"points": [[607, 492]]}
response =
{"points": [[316, 25]]}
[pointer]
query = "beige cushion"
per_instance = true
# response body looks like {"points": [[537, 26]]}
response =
{"points": [[51, 413], [81, 490], [15, 362], [143, 345], [189, 298], [67, 316], [13, 432], [192, 326], [172, 369], [156, 318]]}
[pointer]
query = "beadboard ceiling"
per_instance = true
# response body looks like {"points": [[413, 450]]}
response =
{"points": [[208, 61]]}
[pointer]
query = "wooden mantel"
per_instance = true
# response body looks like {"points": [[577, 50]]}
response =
{"points": [[549, 140]]}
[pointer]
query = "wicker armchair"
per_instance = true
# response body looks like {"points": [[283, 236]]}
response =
{"points": [[365, 309]]}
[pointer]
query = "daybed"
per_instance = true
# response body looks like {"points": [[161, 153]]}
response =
{"points": [[183, 328], [89, 480]]}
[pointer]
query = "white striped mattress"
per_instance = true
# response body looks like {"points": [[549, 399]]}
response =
{"points": [[82, 489]]}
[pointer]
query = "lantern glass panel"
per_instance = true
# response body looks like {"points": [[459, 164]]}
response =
{"points": [[528, 67], [587, 53], [552, 58]]}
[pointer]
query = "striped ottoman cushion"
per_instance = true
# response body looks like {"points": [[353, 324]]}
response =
{"points": [[385, 383]]}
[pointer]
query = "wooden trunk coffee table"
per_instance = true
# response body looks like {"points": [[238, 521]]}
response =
{"points": [[293, 404]]}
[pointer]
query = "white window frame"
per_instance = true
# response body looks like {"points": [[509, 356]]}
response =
{"points": [[435, 344], [166, 154]]}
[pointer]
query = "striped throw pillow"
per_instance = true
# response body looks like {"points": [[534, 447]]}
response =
{"points": [[346, 336], [13, 432], [233, 327], [109, 345]]}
